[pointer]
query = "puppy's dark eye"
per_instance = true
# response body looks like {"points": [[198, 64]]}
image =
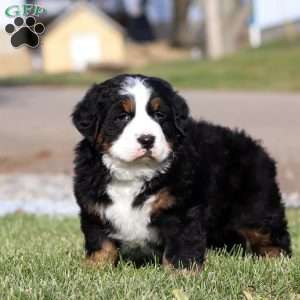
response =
{"points": [[159, 116], [123, 117]]}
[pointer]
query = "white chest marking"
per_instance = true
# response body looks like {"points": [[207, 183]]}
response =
{"points": [[131, 223]]}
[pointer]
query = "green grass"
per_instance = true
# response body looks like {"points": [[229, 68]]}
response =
{"points": [[272, 67], [62, 79], [42, 258]]}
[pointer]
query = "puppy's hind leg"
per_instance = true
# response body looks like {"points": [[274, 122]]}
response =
{"points": [[267, 243], [259, 214], [265, 229]]}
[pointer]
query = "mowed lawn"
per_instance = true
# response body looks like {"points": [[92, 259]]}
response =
{"points": [[272, 67], [42, 258]]}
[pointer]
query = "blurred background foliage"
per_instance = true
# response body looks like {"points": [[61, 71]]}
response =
{"points": [[193, 43]]}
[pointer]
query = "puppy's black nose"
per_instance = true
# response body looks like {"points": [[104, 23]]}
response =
{"points": [[146, 140]]}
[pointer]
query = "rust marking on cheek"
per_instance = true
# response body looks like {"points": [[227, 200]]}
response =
{"points": [[261, 243], [164, 200], [99, 138], [155, 103], [128, 105], [108, 254], [102, 143]]}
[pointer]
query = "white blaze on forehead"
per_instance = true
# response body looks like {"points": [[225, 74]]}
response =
{"points": [[126, 147], [137, 88], [142, 123]]}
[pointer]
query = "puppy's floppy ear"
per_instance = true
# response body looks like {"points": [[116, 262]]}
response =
{"points": [[180, 112], [86, 116]]}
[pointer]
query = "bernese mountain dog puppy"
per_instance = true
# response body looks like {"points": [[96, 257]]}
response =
{"points": [[150, 177]]}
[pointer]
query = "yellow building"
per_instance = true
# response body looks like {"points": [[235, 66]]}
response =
{"points": [[81, 37], [13, 61]]}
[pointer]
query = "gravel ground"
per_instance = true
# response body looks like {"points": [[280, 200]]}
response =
{"points": [[37, 194], [52, 195]]}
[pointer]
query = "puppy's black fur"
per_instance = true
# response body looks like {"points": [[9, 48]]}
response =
{"points": [[222, 182]]}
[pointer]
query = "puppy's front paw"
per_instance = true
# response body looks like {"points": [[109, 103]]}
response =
{"points": [[107, 255], [182, 266]]}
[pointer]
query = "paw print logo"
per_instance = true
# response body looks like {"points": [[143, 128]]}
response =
{"points": [[25, 32]]}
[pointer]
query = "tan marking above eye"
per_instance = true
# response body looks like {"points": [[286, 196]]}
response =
{"points": [[155, 103], [102, 142], [128, 105]]}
